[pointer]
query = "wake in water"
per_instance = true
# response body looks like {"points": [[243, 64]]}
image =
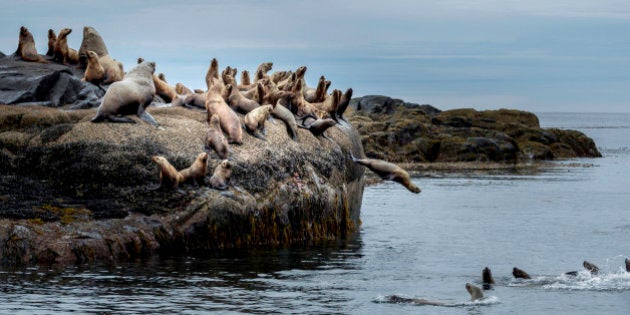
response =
{"points": [[402, 299], [584, 280]]}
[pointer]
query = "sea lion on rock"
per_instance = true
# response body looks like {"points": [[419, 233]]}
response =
{"points": [[520, 274], [114, 71], [52, 39], [197, 171], [181, 89], [26, 47], [163, 89], [317, 94], [93, 41], [221, 175], [261, 71], [344, 101], [487, 279], [230, 123], [279, 76], [169, 176], [388, 171], [245, 80], [94, 73], [594, 270], [63, 53], [255, 120], [238, 102], [131, 95], [284, 114], [319, 126], [212, 76], [215, 138]]}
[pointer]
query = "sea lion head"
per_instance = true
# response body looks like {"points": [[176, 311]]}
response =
{"points": [[23, 30], [300, 71], [266, 66], [92, 55], [202, 157], [65, 31], [158, 159], [475, 292], [140, 60]]}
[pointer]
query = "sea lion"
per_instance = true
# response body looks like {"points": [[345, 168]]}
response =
{"points": [[474, 291], [181, 89], [284, 114], [317, 94], [300, 106], [114, 71], [344, 101], [228, 77], [215, 138], [169, 176], [94, 73], [388, 171], [488, 280], [131, 95], [26, 47], [255, 120], [52, 39], [518, 273], [627, 261], [591, 267], [288, 83], [63, 53], [261, 71], [319, 126], [162, 77], [245, 80], [230, 123], [196, 172], [221, 175], [279, 76], [163, 89], [93, 41], [212, 76], [197, 100], [238, 102]]}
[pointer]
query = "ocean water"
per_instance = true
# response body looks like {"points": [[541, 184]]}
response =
{"points": [[424, 246]]}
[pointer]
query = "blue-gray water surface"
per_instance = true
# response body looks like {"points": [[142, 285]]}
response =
{"points": [[426, 246]]}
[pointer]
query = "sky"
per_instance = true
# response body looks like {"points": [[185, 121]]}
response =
{"points": [[535, 55]]}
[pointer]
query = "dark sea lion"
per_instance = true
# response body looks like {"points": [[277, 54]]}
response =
{"points": [[230, 122], [344, 101], [93, 41], [591, 267], [319, 126], [196, 172], [388, 171], [94, 72], [627, 261], [131, 95], [317, 94], [238, 102], [215, 138], [52, 39], [488, 280], [26, 47], [520, 274], [169, 176], [162, 77], [221, 175]]}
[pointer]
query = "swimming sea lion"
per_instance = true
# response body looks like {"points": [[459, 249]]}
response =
{"points": [[591, 267], [518, 273], [255, 120], [388, 171], [488, 280], [238, 102], [230, 123], [63, 53], [197, 171], [181, 89], [627, 261], [94, 73], [474, 291], [215, 138], [169, 176], [221, 175], [131, 95], [26, 47], [52, 39]]}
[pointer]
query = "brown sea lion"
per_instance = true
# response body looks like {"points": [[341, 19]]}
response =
{"points": [[221, 175], [228, 77], [284, 114], [475, 292], [181, 89], [197, 100], [279, 76], [94, 73], [388, 171], [196, 172], [255, 120], [63, 53], [113, 69], [591, 267], [300, 107], [215, 138], [245, 80], [238, 102], [344, 101], [26, 47], [319, 126], [317, 94], [212, 76], [162, 77], [261, 71], [163, 89], [169, 176], [230, 123], [52, 39], [487, 279], [520, 274], [289, 82], [93, 41], [131, 95]]}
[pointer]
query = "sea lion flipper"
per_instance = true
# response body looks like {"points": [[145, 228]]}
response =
{"points": [[117, 119], [144, 115]]}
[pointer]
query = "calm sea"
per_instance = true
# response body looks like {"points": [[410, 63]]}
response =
{"points": [[427, 246]]}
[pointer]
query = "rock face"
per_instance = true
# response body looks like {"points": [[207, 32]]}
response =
{"points": [[402, 132], [75, 191]]}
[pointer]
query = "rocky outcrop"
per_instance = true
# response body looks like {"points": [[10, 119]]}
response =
{"points": [[403, 132], [74, 191]]}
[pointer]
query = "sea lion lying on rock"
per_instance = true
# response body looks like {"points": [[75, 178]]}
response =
{"points": [[26, 47], [215, 138], [388, 171], [221, 175], [131, 95]]}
